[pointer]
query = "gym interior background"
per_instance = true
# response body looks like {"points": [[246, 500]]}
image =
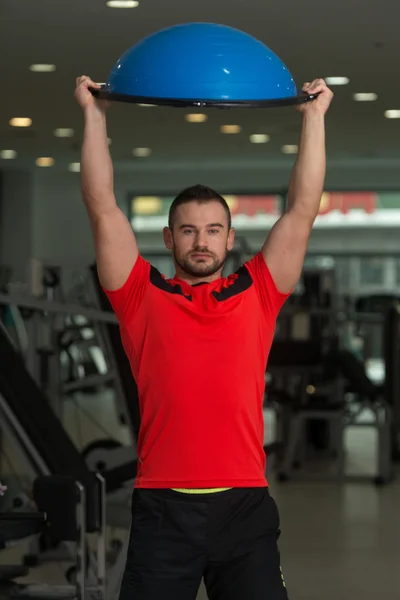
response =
{"points": [[332, 403]]}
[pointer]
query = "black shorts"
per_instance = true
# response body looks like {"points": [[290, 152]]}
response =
{"points": [[228, 538]]}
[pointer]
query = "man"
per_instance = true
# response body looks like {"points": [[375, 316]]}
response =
{"points": [[198, 345]]}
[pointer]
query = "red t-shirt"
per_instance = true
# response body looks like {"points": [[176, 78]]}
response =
{"points": [[198, 355]]}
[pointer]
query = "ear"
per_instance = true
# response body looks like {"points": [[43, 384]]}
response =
{"points": [[168, 241], [231, 239]]}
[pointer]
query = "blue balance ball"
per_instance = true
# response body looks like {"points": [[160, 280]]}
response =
{"points": [[202, 61]]}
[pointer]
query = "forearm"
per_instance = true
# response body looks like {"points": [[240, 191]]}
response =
{"points": [[97, 177], [308, 176]]}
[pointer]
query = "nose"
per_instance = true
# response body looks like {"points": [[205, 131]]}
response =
{"points": [[201, 242]]}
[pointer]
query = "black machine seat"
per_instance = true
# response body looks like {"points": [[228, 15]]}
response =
{"points": [[18, 525], [116, 477], [353, 371], [10, 572]]}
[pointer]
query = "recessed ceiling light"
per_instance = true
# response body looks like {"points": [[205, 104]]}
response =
{"points": [[392, 114], [365, 97], [337, 80], [196, 118], [231, 129], [141, 152], [45, 161], [64, 133], [122, 3], [259, 138], [290, 149], [21, 122], [74, 167], [42, 68], [8, 154], [146, 105]]}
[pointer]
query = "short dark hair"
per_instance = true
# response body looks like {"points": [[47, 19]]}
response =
{"points": [[201, 194]]}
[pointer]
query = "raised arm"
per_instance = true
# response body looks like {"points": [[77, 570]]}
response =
{"points": [[286, 245], [115, 244]]}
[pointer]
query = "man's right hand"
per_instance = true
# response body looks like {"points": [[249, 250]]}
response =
{"points": [[85, 97], [114, 240]]}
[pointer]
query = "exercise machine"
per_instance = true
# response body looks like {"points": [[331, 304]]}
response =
{"points": [[62, 484]]}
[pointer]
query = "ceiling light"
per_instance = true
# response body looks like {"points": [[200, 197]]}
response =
{"points": [[42, 68], [392, 114], [196, 118], [64, 133], [259, 138], [44, 161], [8, 154], [290, 149], [337, 80], [231, 129], [122, 3], [141, 152], [21, 122], [146, 105], [74, 167], [365, 97]]}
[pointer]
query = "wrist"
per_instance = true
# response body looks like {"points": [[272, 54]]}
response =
{"points": [[314, 116], [93, 111]]}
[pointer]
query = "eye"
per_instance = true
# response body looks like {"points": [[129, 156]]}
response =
{"points": [[187, 231], [213, 231]]}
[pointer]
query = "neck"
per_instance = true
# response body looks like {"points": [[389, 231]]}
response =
{"points": [[192, 280]]}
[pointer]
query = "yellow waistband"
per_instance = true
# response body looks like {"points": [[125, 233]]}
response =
{"points": [[201, 491]]}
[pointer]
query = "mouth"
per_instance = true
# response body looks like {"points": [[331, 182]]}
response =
{"points": [[201, 255]]}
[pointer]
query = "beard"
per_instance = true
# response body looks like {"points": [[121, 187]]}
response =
{"points": [[195, 267]]}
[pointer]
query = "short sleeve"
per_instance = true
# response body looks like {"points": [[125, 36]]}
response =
{"points": [[126, 300], [270, 297]]}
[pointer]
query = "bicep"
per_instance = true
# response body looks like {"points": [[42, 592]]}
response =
{"points": [[285, 248], [116, 248]]}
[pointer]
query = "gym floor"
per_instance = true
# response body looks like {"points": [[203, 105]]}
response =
{"points": [[339, 541]]}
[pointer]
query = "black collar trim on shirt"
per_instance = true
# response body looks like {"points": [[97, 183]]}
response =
{"points": [[240, 283], [158, 281]]}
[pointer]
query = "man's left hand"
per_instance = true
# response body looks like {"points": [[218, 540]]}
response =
{"points": [[321, 102]]}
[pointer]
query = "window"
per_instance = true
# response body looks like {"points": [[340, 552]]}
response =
{"points": [[372, 271], [150, 213]]}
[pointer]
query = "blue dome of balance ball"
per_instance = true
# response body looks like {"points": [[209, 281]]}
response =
{"points": [[204, 62]]}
